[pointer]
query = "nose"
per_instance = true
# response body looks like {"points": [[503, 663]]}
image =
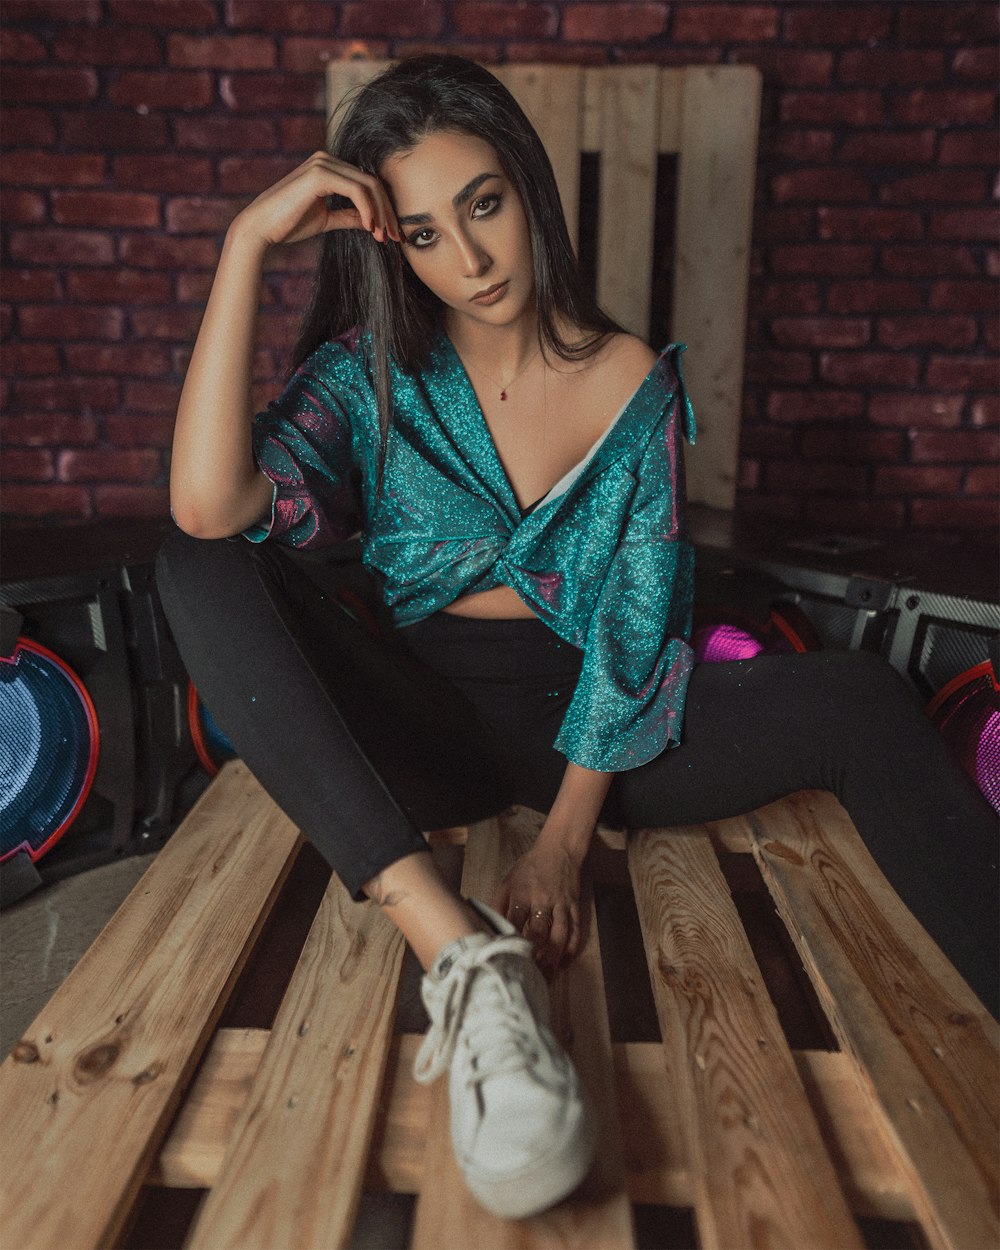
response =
{"points": [[474, 258]]}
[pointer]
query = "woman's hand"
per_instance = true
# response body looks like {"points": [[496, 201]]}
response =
{"points": [[296, 208], [540, 896]]}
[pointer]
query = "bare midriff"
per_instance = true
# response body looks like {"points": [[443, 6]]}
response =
{"points": [[500, 603]]}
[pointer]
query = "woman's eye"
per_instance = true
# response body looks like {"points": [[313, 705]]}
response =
{"points": [[485, 205], [421, 238]]}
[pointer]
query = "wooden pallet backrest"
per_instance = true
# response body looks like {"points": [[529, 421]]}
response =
{"points": [[629, 115]]}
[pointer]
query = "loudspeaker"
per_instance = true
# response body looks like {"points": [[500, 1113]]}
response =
{"points": [[96, 638]]}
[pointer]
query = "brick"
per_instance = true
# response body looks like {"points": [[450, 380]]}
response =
{"points": [[221, 52], [159, 398], [43, 501], [789, 143], [96, 465], [986, 410], [947, 22], [907, 479], [251, 174], [825, 108], [306, 54], [122, 501], [963, 296], [764, 440], [777, 507], [194, 288], [514, 21], [969, 373], [856, 513], [52, 11], [30, 358], [878, 67], [165, 323], [916, 409], [874, 225], [646, 54], [49, 429], [975, 64], [140, 431], [53, 169], [277, 329], [605, 23], [851, 444], [877, 147], [979, 515], [170, 89], [805, 476], [968, 185], [825, 182], [26, 128], [94, 208], [61, 321], [829, 25], [234, 134], [785, 223], [835, 259], [119, 286], [821, 331], [261, 92], [814, 405], [27, 465], [395, 19], [951, 446], [724, 23], [22, 208], [779, 367], [21, 45], [119, 359], [115, 130], [45, 84], [108, 46], [170, 14], [868, 368], [59, 393], [787, 67], [778, 296], [933, 330], [157, 252], [944, 106], [290, 15], [302, 134], [965, 223], [982, 479], [164, 172], [55, 247], [972, 147], [199, 214], [30, 284], [928, 260], [748, 475]]}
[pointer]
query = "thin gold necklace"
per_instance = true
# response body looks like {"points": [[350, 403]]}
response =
{"points": [[504, 388]]}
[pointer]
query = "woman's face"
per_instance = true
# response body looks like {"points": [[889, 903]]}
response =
{"points": [[464, 230]]}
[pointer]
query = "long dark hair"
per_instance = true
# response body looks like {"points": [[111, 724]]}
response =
{"points": [[361, 282]]}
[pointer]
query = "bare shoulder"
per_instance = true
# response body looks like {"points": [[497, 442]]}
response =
{"points": [[626, 359]]}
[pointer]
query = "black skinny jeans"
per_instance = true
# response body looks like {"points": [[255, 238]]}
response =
{"points": [[364, 739]]}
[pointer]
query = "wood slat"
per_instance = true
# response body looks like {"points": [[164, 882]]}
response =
{"points": [[924, 1045], [629, 110], [715, 188], [598, 1216], [312, 1107], [99, 1073], [760, 1173]]}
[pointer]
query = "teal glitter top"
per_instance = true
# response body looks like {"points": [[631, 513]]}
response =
{"points": [[604, 559]]}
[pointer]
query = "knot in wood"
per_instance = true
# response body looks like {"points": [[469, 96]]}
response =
{"points": [[93, 1063], [781, 851], [25, 1052]]}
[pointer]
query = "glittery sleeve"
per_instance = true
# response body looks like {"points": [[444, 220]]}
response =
{"points": [[629, 700], [303, 443]]}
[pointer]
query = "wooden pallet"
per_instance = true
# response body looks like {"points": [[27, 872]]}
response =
{"points": [[124, 1081]]}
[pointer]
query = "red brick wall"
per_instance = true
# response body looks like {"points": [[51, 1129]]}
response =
{"points": [[134, 129]]}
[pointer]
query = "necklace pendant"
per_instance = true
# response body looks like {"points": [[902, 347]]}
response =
{"points": [[503, 394]]}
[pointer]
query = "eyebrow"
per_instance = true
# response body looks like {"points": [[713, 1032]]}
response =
{"points": [[466, 194]]}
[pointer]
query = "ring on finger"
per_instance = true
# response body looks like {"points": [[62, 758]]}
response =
{"points": [[542, 914]]}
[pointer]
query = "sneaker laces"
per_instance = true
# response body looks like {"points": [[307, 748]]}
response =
{"points": [[498, 1025]]}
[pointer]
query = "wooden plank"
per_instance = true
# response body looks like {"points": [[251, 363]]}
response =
{"points": [[99, 1073], [867, 1164], [760, 1173], [343, 77], [924, 1046], [598, 1214], [629, 118], [551, 95], [312, 1107], [715, 187]]}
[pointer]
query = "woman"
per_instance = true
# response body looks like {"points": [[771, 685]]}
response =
{"points": [[512, 460]]}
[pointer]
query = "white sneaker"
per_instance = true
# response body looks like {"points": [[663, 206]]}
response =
{"points": [[521, 1128]]}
